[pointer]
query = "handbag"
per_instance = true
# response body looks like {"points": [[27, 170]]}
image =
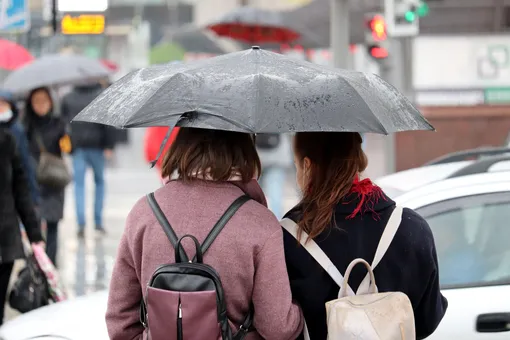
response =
{"points": [[52, 172], [30, 291]]}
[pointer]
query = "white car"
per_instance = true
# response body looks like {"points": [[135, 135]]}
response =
{"points": [[473, 207]]}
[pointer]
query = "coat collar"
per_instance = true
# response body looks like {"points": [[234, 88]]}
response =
{"points": [[251, 188]]}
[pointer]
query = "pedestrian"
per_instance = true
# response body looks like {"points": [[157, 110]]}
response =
{"points": [[208, 170], [15, 202], [346, 217], [46, 132], [276, 156], [154, 138], [9, 108], [92, 145]]}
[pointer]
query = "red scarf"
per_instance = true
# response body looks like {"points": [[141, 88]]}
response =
{"points": [[368, 194]]}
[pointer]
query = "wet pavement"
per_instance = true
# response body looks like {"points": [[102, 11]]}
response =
{"points": [[86, 264]]}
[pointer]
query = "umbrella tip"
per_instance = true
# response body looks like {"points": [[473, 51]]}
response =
{"points": [[255, 47]]}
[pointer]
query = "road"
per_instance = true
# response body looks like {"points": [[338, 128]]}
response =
{"points": [[86, 265]]}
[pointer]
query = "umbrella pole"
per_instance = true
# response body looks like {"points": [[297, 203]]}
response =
{"points": [[340, 33]]}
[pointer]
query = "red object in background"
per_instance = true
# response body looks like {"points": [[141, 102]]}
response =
{"points": [[110, 65], [13, 56], [154, 137], [378, 52], [254, 34]]}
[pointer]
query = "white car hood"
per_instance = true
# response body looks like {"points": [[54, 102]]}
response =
{"points": [[408, 180], [77, 319]]}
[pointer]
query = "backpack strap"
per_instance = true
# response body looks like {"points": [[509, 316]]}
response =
{"points": [[222, 222], [384, 243], [316, 252], [246, 326], [319, 255], [163, 221]]}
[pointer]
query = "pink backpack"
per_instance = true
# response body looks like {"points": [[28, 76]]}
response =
{"points": [[185, 300]]}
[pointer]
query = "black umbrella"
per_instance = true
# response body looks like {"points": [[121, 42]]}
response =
{"points": [[255, 91]]}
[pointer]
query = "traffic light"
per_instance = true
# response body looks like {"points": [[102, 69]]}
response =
{"points": [[403, 16], [376, 35]]}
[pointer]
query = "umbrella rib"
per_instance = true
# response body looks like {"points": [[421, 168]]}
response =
{"points": [[377, 119], [231, 121]]}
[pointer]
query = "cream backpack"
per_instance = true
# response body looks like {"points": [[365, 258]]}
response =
{"points": [[368, 314]]}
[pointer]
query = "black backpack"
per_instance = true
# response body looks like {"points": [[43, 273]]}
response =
{"points": [[267, 141], [185, 300]]}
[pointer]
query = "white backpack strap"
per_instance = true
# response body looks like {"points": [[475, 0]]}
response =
{"points": [[316, 252], [386, 238], [319, 255]]}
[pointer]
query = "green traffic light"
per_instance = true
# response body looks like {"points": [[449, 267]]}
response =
{"points": [[410, 16], [423, 10]]}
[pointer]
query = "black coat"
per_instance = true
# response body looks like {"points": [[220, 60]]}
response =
{"points": [[50, 130], [409, 266], [15, 200], [86, 135]]}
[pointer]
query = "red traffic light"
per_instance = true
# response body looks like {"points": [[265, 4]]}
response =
{"points": [[378, 52], [378, 26]]}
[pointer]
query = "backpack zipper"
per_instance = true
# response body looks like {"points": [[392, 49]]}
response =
{"points": [[179, 322]]}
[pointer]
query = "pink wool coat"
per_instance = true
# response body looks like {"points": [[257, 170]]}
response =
{"points": [[248, 255]]}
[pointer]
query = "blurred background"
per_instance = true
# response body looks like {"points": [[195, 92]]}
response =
{"points": [[455, 66], [450, 57]]}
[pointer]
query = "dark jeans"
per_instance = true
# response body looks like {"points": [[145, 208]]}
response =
{"points": [[5, 275], [52, 241]]}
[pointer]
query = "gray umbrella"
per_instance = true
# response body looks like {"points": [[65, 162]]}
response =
{"points": [[55, 70], [255, 91]]}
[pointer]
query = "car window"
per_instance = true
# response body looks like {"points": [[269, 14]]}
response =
{"points": [[472, 236]]}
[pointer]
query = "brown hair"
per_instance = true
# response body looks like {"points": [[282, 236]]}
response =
{"points": [[219, 154], [336, 159]]}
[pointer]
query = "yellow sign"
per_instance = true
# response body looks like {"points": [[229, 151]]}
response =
{"points": [[83, 24]]}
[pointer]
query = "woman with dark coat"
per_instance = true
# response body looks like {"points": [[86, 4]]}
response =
{"points": [[15, 201], [46, 130], [346, 217]]}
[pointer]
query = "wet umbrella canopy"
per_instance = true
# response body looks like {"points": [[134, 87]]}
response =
{"points": [[55, 70], [255, 91]]}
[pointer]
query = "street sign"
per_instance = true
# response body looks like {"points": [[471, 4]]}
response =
{"points": [[83, 24], [14, 15]]}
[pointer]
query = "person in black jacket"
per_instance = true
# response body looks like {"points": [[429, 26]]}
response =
{"points": [[15, 201], [92, 145], [346, 218], [46, 130], [8, 107]]}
